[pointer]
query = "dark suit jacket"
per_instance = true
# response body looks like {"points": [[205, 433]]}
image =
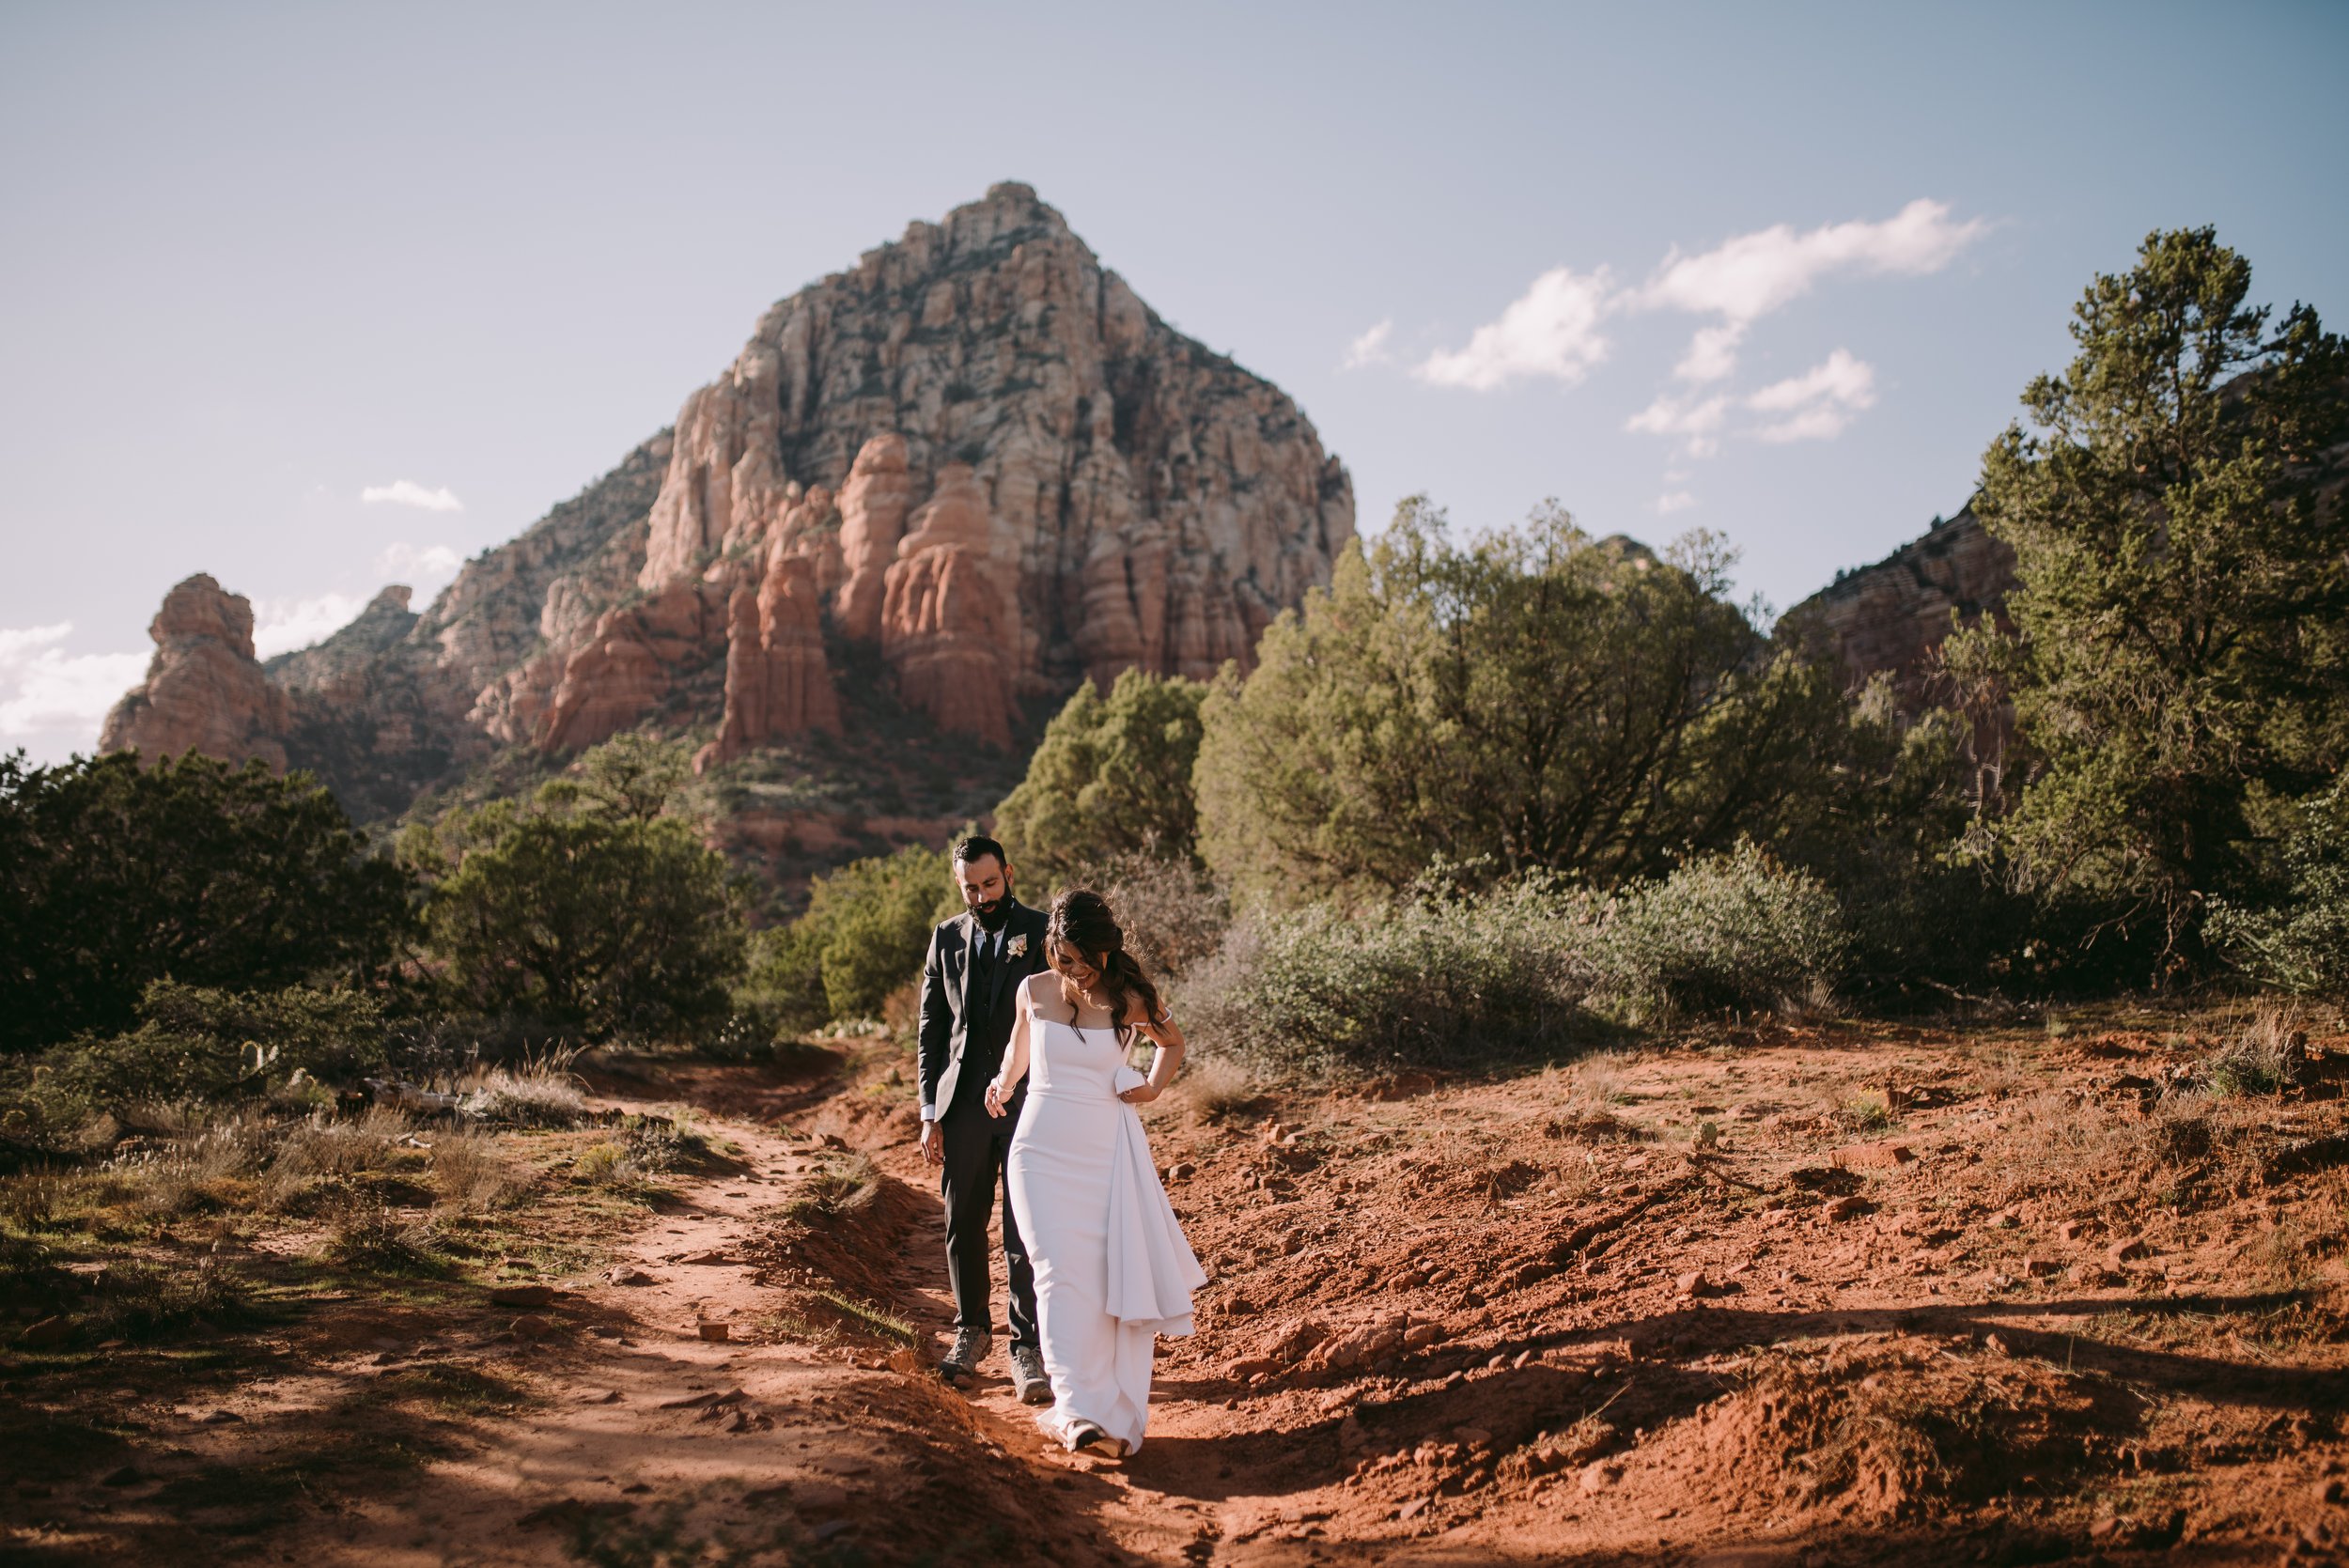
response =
{"points": [[964, 1032]]}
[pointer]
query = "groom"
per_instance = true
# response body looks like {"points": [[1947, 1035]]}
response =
{"points": [[969, 987]]}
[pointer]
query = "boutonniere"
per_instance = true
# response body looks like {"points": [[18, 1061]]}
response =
{"points": [[1018, 947]]}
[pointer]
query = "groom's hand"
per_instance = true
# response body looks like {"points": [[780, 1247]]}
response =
{"points": [[933, 1144]]}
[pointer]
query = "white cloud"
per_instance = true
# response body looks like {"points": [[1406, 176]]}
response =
{"points": [[407, 492], [1676, 501], [1818, 403], [1553, 331], [1712, 354], [419, 566], [1695, 423], [1744, 279], [1370, 349], [44, 689], [283, 625]]}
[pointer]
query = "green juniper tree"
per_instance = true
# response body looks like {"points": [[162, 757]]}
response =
{"points": [[114, 875], [1111, 778], [1538, 699], [2177, 661]]}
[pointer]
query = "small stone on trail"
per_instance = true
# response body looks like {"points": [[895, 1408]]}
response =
{"points": [[716, 1333], [530, 1325], [1872, 1157], [1413, 1510], [219, 1418], [2071, 1230], [1845, 1206], [521, 1295], [2128, 1250], [2042, 1268], [627, 1275]]}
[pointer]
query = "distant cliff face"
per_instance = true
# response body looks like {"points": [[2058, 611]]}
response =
{"points": [[1890, 616], [975, 461]]}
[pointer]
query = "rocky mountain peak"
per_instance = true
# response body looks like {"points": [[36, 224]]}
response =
{"points": [[960, 476]]}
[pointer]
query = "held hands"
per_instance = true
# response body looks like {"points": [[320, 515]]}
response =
{"points": [[995, 1099]]}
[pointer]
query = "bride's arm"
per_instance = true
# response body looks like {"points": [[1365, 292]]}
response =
{"points": [[999, 1088], [1165, 1062]]}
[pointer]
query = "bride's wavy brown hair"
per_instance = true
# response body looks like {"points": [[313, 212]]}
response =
{"points": [[1080, 918]]}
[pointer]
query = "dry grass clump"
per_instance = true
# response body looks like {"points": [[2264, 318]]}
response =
{"points": [[2110, 1162], [382, 1240], [471, 1173], [540, 1092], [610, 1164], [845, 1189], [2264, 1058], [323, 1154], [1215, 1086], [200, 1171]]}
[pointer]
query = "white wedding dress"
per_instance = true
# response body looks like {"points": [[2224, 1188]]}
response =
{"points": [[1112, 1268]]}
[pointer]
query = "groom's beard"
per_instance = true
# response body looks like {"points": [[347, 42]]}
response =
{"points": [[992, 913]]}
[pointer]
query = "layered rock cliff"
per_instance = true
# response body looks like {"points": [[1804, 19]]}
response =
{"points": [[948, 484], [1889, 617]]}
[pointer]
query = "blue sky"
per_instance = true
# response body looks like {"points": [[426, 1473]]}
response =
{"points": [[1779, 271]]}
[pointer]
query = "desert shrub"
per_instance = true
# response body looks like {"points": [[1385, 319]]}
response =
{"points": [[863, 935], [194, 1046], [570, 911], [2299, 941], [1733, 932], [1322, 992], [116, 876]]}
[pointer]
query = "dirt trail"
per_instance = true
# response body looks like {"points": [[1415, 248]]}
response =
{"points": [[1862, 1296]]}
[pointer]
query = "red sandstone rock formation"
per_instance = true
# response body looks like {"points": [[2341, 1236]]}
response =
{"points": [[204, 692], [948, 627], [873, 506], [626, 666], [1156, 505], [777, 684]]}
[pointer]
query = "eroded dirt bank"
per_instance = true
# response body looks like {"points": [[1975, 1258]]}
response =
{"points": [[1821, 1295]]}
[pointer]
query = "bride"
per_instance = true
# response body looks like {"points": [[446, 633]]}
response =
{"points": [[1112, 1269]]}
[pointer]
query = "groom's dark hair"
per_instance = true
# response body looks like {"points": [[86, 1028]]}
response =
{"points": [[978, 846]]}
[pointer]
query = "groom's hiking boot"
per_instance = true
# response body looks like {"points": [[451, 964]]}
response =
{"points": [[1027, 1376], [970, 1348]]}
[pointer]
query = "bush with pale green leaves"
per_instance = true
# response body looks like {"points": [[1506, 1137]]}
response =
{"points": [[1730, 933]]}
